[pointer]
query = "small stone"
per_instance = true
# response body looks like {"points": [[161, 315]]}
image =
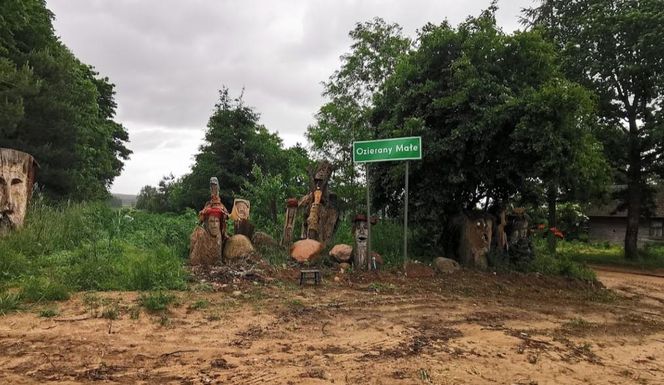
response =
{"points": [[237, 293], [336, 278]]}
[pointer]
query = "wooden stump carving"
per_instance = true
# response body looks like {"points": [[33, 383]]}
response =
{"points": [[17, 176]]}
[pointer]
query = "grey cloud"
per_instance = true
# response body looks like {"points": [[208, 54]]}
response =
{"points": [[168, 58]]}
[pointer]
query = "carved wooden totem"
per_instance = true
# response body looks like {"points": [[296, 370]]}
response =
{"points": [[321, 215], [240, 217], [289, 225], [361, 236], [17, 176], [475, 230], [207, 239]]}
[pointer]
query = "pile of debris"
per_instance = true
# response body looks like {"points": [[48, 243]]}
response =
{"points": [[251, 269]]}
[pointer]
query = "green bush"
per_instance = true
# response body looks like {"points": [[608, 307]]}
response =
{"points": [[156, 301], [89, 246], [37, 289], [9, 302]]}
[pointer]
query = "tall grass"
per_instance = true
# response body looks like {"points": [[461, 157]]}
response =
{"points": [[89, 246]]}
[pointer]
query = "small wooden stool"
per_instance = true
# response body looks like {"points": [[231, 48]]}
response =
{"points": [[305, 273]]}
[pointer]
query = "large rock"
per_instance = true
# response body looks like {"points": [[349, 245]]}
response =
{"points": [[342, 253], [261, 239], [237, 246], [306, 250], [446, 265]]}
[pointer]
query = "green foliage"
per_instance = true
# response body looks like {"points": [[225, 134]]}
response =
{"points": [[37, 289], [48, 313], [495, 109], [9, 302], [55, 107], [651, 257], [200, 304], [614, 48], [377, 46], [234, 143], [91, 247], [156, 301]]}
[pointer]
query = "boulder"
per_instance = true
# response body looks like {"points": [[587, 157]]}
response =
{"points": [[306, 250], [342, 252], [446, 265], [264, 240], [237, 246]]}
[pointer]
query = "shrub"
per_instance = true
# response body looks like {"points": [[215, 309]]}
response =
{"points": [[37, 289], [9, 302], [156, 301]]}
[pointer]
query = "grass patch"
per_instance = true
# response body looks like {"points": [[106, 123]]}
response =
{"points": [[200, 304], [38, 289], [48, 313], [89, 246], [111, 312], [650, 257], [156, 301], [9, 302]]}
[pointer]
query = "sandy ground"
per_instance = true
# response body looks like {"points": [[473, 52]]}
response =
{"points": [[464, 328]]}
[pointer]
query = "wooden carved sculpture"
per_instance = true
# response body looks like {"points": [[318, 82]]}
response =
{"points": [[208, 237], [289, 225], [361, 236], [17, 176], [240, 217], [474, 242], [321, 215]]}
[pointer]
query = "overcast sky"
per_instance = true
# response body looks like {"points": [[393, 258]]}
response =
{"points": [[169, 58]]}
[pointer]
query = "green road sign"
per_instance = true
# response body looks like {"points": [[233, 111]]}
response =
{"points": [[383, 150]]}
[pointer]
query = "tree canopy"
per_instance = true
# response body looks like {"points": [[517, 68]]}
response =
{"points": [[496, 117], [614, 48], [55, 107]]}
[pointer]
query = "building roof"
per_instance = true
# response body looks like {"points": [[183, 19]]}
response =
{"points": [[610, 209]]}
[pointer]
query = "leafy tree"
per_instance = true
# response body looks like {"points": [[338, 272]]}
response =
{"points": [[496, 117], [614, 47], [235, 143], [374, 54], [55, 107]]}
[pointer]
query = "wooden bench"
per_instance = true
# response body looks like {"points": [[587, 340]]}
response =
{"points": [[314, 273]]}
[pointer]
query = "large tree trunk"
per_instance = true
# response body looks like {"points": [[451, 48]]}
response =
{"points": [[634, 193], [551, 198]]}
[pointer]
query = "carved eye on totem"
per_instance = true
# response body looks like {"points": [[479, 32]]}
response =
{"points": [[2, 181], [16, 181]]}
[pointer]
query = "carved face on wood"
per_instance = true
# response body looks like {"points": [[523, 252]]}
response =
{"points": [[214, 226], [17, 171], [480, 234], [242, 209], [361, 232]]}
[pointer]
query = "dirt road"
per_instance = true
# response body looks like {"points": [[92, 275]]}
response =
{"points": [[465, 328]]}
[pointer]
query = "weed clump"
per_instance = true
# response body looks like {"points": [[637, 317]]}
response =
{"points": [[156, 301], [9, 302]]}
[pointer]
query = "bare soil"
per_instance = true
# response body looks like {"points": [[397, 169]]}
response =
{"points": [[464, 328]]}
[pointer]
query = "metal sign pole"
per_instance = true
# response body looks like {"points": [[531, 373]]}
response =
{"points": [[368, 217], [405, 223]]}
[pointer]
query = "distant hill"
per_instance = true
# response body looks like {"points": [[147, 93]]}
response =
{"points": [[128, 200]]}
